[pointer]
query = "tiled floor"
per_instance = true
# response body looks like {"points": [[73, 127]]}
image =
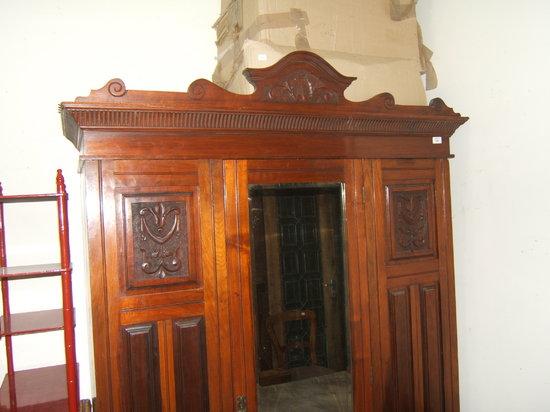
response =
{"points": [[329, 393]]}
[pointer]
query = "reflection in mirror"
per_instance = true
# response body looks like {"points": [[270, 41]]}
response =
{"points": [[300, 300]]}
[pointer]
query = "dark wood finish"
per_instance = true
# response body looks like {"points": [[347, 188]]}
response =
{"points": [[311, 80], [411, 222], [190, 365], [197, 153], [99, 303], [239, 281], [141, 374], [159, 248], [416, 345], [209, 122], [400, 395], [40, 389], [432, 349], [230, 378], [126, 296]]}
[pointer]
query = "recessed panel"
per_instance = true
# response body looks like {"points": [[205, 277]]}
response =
{"points": [[140, 368], [190, 369], [410, 221], [159, 239], [432, 349], [400, 391]]}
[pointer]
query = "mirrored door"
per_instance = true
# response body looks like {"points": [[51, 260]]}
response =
{"points": [[304, 316], [300, 299]]}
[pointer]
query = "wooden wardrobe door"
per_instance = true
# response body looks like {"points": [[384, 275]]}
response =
{"points": [[238, 175], [415, 285], [157, 292]]}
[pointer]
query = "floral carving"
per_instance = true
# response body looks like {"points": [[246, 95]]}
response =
{"points": [[300, 87], [160, 244], [411, 228]]}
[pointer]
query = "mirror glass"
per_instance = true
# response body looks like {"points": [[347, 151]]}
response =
{"points": [[299, 283]]}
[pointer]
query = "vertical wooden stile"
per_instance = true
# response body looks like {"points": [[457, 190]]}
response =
{"points": [[6, 309], [68, 311]]}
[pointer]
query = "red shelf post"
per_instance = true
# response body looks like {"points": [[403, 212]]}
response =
{"points": [[68, 315], [6, 309]]}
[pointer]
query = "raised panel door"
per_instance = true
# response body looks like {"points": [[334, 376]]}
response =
{"points": [[415, 285], [159, 279]]}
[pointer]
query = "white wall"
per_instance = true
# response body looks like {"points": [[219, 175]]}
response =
{"points": [[492, 59], [53, 51]]}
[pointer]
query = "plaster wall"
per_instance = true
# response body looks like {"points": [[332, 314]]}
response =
{"points": [[53, 51], [492, 61]]}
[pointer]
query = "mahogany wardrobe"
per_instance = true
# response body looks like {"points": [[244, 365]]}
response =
{"points": [[242, 247]]}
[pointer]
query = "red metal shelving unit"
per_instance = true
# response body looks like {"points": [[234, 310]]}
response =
{"points": [[52, 388]]}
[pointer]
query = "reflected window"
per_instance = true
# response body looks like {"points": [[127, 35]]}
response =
{"points": [[300, 300]]}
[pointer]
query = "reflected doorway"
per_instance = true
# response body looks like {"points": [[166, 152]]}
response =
{"points": [[300, 301]]}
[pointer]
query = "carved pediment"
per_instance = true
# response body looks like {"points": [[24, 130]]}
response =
{"points": [[301, 77], [300, 87], [301, 94]]}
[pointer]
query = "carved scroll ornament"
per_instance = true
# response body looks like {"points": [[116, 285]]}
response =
{"points": [[160, 241]]}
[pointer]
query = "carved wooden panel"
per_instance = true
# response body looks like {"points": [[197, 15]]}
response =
{"points": [[410, 221], [140, 371], [432, 349], [300, 87], [400, 391], [190, 365], [159, 239], [307, 80]]}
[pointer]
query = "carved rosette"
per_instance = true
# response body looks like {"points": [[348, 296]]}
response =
{"points": [[411, 228], [301, 87], [160, 240], [116, 87]]}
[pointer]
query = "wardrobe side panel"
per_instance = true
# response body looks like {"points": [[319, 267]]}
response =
{"points": [[416, 308]]}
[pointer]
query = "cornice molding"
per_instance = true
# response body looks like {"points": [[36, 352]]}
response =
{"points": [[301, 93]]}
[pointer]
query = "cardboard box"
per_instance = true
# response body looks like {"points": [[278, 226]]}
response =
{"points": [[358, 37]]}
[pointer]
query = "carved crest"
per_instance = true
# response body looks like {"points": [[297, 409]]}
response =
{"points": [[300, 87], [302, 78]]}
